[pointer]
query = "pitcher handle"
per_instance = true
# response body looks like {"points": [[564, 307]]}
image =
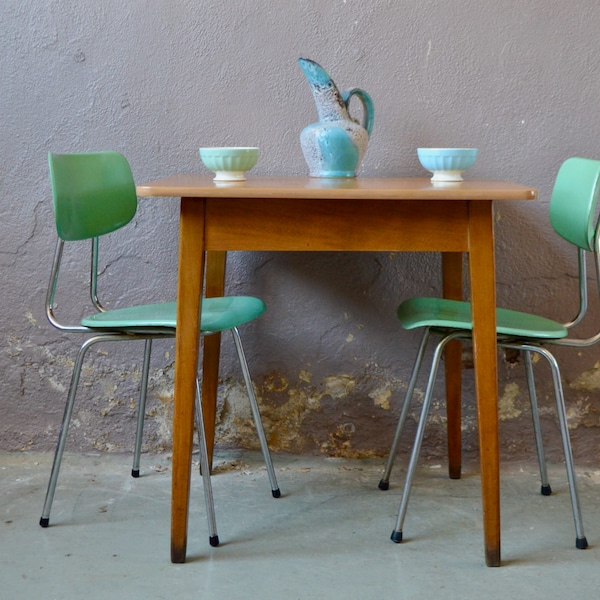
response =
{"points": [[369, 109]]}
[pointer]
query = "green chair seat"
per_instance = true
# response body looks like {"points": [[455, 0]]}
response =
{"points": [[218, 314], [453, 314]]}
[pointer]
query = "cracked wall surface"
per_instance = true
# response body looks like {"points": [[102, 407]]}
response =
{"points": [[330, 363]]}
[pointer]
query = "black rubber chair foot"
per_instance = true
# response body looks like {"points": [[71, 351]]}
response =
{"points": [[44, 522], [546, 490], [213, 540], [581, 543], [396, 537], [384, 485], [135, 472], [276, 493]]}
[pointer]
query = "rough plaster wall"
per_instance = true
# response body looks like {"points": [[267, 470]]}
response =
{"points": [[156, 80]]}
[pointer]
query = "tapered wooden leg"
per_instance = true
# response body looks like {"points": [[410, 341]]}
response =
{"points": [[483, 297], [215, 286], [189, 294], [453, 289]]}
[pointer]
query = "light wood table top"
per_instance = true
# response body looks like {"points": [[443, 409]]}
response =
{"points": [[382, 188]]}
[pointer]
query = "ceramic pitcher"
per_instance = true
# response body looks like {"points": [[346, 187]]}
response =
{"points": [[336, 144]]}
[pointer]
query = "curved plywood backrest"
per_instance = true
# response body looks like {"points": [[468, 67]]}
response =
{"points": [[93, 193], [574, 199]]}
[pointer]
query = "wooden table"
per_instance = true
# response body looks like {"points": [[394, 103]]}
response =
{"points": [[301, 213]]}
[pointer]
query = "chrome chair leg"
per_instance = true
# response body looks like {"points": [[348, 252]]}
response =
{"points": [[135, 471], [581, 541], [546, 490], [256, 413], [384, 482], [414, 458], [213, 537], [64, 428]]}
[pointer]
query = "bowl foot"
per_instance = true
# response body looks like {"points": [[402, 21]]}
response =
{"points": [[447, 176], [230, 176]]}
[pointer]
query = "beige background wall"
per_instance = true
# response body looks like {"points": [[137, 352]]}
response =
{"points": [[157, 79]]}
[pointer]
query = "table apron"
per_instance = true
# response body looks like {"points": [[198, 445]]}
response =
{"points": [[351, 225]]}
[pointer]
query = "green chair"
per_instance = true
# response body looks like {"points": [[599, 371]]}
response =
{"points": [[93, 195], [573, 217]]}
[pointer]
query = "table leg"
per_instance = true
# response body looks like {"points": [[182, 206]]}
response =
{"points": [[189, 294], [483, 298], [453, 288], [215, 286]]}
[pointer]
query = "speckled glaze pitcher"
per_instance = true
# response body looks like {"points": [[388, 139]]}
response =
{"points": [[336, 145]]}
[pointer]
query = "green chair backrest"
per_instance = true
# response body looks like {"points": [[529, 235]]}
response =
{"points": [[93, 193], [573, 202]]}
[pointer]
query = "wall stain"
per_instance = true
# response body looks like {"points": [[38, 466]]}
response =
{"points": [[339, 386], [289, 414], [507, 403], [588, 381], [381, 397], [337, 415]]}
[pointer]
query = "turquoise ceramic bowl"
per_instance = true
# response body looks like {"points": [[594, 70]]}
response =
{"points": [[229, 164], [447, 164]]}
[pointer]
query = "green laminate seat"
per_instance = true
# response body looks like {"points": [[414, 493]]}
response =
{"points": [[218, 314], [443, 314]]}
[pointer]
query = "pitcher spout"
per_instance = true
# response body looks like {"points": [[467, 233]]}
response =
{"points": [[329, 101]]}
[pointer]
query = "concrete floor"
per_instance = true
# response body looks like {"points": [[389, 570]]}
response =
{"points": [[327, 537]]}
